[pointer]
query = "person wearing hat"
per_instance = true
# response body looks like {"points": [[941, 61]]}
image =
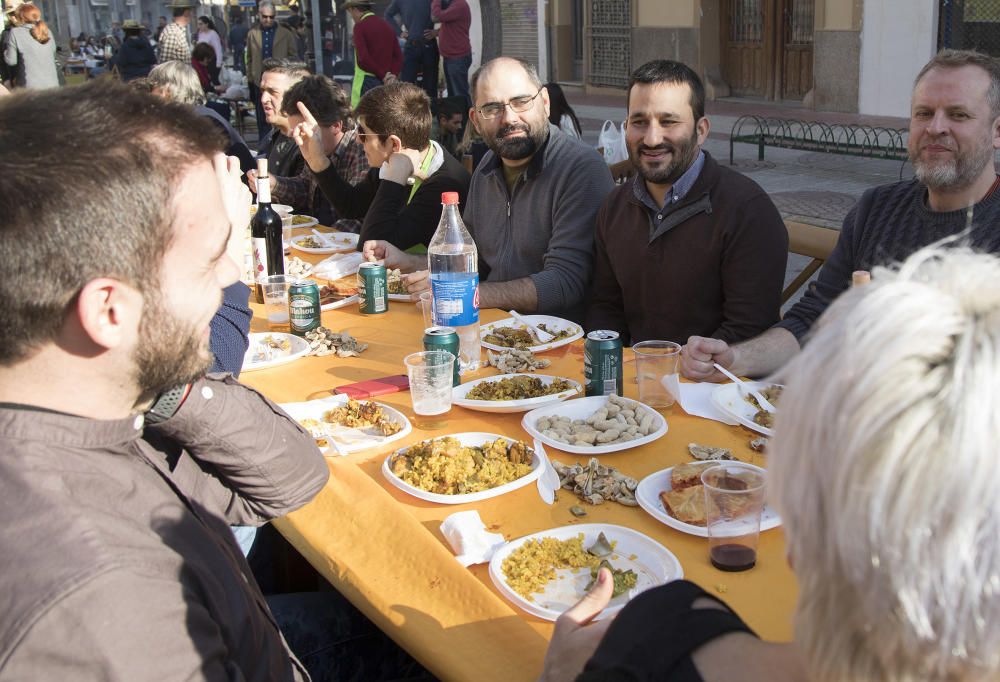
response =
{"points": [[266, 40], [174, 43], [377, 57], [136, 56]]}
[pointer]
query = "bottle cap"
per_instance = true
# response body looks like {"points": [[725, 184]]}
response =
{"points": [[449, 198]]}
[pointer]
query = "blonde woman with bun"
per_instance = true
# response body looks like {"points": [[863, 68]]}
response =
{"points": [[31, 50]]}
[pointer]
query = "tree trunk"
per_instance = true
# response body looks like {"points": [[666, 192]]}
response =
{"points": [[492, 29]]}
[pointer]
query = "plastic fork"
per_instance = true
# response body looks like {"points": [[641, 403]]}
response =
{"points": [[542, 335], [761, 400]]}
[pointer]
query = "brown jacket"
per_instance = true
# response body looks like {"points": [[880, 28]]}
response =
{"points": [[116, 558], [284, 47], [714, 267]]}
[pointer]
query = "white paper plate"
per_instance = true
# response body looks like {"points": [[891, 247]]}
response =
{"points": [[654, 565], [648, 497], [551, 323], [298, 348], [507, 406], [582, 408], [342, 242], [308, 222], [340, 304], [469, 439], [349, 440], [727, 397]]}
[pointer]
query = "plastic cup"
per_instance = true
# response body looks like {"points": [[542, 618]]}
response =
{"points": [[275, 288], [654, 361], [426, 303], [734, 502], [430, 373]]}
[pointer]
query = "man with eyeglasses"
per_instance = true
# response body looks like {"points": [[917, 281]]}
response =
{"points": [[266, 40], [532, 201]]}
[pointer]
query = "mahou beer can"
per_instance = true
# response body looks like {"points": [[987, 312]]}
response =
{"points": [[602, 363], [373, 289], [303, 307], [443, 338]]}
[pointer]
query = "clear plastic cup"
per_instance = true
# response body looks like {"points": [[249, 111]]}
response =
{"points": [[654, 361], [734, 502], [275, 289], [430, 373], [426, 303]]}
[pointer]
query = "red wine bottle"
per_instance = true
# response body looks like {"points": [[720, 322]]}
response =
{"points": [[268, 248]]}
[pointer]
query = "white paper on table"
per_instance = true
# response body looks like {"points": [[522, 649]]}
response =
{"points": [[696, 399], [466, 533]]}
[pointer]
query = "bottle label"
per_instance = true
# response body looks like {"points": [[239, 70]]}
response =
{"points": [[264, 190], [456, 299], [259, 258]]}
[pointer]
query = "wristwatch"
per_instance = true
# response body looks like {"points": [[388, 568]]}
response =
{"points": [[167, 404]]}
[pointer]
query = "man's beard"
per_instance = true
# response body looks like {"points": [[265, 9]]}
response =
{"points": [[170, 353], [517, 148], [681, 159], [956, 173]]}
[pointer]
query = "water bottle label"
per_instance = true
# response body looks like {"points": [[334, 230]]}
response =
{"points": [[456, 301]]}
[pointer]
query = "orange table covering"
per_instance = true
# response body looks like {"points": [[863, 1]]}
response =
{"points": [[382, 548]]}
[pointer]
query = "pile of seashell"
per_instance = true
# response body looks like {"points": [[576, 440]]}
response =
{"points": [[597, 483], [322, 341], [513, 361]]}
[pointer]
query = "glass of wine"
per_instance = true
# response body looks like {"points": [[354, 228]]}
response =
{"points": [[734, 502]]}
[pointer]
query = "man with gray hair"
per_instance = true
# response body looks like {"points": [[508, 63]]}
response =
{"points": [[267, 40], [954, 134]]}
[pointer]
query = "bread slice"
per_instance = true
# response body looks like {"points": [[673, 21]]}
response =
{"points": [[686, 505], [686, 475]]}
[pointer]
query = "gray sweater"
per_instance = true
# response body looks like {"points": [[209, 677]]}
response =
{"points": [[889, 223], [35, 61], [544, 229]]}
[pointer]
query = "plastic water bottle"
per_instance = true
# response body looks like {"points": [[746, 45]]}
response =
{"points": [[454, 264]]}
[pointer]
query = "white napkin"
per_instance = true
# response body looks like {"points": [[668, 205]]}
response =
{"points": [[339, 265], [696, 398], [466, 533]]}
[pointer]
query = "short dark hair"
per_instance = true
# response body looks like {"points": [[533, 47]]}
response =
{"points": [[450, 106], [179, 11], [288, 67], [669, 71], [485, 69], [202, 51], [326, 101], [400, 109], [89, 176], [954, 59]]}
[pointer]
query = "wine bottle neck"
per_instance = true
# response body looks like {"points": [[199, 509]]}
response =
{"points": [[264, 190]]}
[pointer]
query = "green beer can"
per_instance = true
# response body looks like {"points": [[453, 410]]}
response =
{"points": [[373, 289], [602, 363], [303, 307], [443, 338]]}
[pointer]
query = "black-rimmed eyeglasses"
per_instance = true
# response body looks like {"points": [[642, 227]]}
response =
{"points": [[518, 105]]}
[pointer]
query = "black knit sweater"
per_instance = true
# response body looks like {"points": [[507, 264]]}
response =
{"points": [[889, 223]]}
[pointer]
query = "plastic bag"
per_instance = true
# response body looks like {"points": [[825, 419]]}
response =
{"points": [[613, 141]]}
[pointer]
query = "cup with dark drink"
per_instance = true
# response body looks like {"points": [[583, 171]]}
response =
{"points": [[734, 502]]}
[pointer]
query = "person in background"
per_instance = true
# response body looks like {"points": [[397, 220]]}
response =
{"points": [[420, 56], [162, 24], [954, 135], [298, 27], [455, 18], [178, 82], [341, 148], [238, 41], [7, 72], [561, 113], [173, 44], [116, 32], [400, 197], [283, 156], [687, 246], [31, 50], [450, 121], [894, 546], [208, 34], [136, 57], [266, 40], [203, 62], [377, 57]]}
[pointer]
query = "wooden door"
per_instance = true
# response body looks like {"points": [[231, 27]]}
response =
{"points": [[795, 56], [748, 47]]}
